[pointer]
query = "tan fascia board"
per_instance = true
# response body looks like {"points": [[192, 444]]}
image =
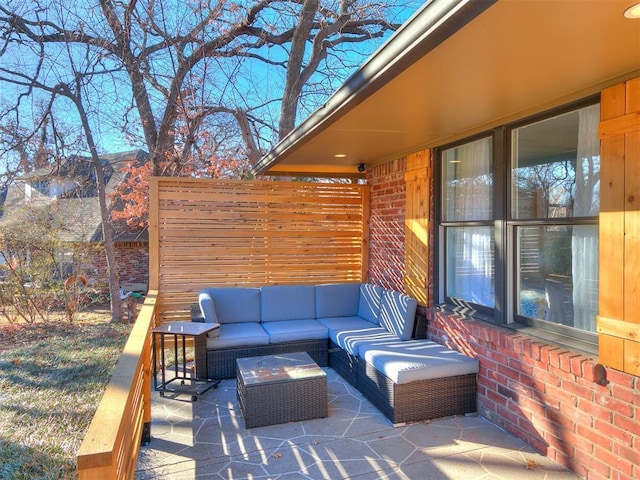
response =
{"points": [[425, 30]]}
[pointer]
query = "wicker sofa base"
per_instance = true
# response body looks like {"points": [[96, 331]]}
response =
{"points": [[400, 403], [419, 400], [414, 401], [221, 363]]}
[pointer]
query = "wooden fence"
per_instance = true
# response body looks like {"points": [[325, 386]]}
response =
{"points": [[122, 420], [223, 233]]}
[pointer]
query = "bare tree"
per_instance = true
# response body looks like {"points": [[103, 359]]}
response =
{"points": [[195, 62], [72, 85], [173, 73]]}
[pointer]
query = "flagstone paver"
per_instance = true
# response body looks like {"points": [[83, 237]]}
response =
{"points": [[207, 439]]}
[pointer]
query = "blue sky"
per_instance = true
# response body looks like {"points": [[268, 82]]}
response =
{"points": [[231, 84]]}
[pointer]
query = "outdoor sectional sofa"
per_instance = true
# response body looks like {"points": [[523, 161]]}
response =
{"points": [[363, 331]]}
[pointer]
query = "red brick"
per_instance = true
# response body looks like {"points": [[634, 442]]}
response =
{"points": [[566, 362], [558, 442], [557, 371], [620, 378], [617, 462], [534, 384], [507, 414], [528, 434], [487, 382], [517, 344], [520, 366], [577, 363], [613, 432], [595, 467], [627, 424], [629, 454], [625, 394], [497, 398], [559, 396], [497, 357], [614, 404], [590, 370], [580, 417], [595, 410], [561, 458], [595, 436], [536, 350], [547, 378], [555, 359], [577, 390], [509, 372], [591, 475]]}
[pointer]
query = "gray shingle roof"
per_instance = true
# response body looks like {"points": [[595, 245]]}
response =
{"points": [[78, 209]]}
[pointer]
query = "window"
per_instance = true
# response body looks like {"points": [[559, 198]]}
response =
{"points": [[467, 185], [519, 222]]}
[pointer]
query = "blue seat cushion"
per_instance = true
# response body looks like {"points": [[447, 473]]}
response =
{"points": [[337, 300], [398, 313], [295, 330], [288, 302], [238, 335], [351, 340], [369, 302], [230, 305], [345, 323], [408, 361]]}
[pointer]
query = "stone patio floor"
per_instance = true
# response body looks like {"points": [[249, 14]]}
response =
{"points": [[207, 439]]}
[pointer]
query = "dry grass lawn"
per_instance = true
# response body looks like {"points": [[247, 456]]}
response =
{"points": [[52, 376]]}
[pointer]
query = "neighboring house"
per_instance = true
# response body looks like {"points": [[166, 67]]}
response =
{"points": [[70, 188], [500, 140]]}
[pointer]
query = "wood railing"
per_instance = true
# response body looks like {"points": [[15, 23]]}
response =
{"points": [[122, 421]]}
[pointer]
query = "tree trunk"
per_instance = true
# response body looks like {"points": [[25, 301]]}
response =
{"points": [[293, 84], [107, 231]]}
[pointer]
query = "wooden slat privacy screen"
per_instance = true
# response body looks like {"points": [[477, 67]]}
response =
{"points": [[619, 285], [205, 233]]}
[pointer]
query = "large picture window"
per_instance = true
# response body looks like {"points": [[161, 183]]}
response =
{"points": [[538, 236]]}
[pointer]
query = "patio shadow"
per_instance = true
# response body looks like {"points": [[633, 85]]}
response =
{"points": [[207, 439]]}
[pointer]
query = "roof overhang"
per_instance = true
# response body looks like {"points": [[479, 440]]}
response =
{"points": [[457, 68]]}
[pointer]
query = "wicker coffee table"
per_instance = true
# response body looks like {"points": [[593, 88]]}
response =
{"points": [[280, 388]]}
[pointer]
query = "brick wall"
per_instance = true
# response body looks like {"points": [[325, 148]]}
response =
{"points": [[386, 228], [552, 398], [132, 260]]}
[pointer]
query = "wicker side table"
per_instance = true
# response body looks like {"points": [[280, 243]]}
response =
{"points": [[283, 388]]}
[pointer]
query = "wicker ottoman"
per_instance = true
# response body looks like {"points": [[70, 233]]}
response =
{"points": [[283, 388]]}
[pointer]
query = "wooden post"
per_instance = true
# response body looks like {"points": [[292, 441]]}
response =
{"points": [[416, 254], [619, 284]]}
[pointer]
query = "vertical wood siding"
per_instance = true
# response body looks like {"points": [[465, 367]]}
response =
{"points": [[416, 261], [619, 285], [237, 233]]}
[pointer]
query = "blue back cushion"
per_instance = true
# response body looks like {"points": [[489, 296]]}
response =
{"points": [[288, 302], [337, 300], [398, 313], [230, 305], [369, 303]]}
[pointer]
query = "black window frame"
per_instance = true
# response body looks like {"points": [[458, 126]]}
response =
{"points": [[505, 237]]}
